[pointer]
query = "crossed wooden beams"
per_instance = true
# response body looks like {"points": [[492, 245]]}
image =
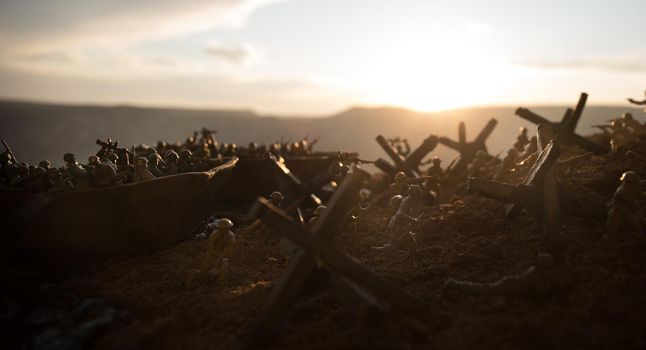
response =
{"points": [[565, 129], [540, 193], [468, 150], [317, 260], [293, 188], [409, 165]]}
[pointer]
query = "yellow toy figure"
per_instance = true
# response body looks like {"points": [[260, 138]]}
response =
{"points": [[625, 205], [219, 248]]}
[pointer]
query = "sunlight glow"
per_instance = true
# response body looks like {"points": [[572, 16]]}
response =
{"points": [[436, 73]]}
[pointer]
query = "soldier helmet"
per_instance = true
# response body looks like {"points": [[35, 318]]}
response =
{"points": [[395, 201], [185, 154], [627, 116], [277, 196], [629, 176], [171, 155], [319, 210], [523, 130], [141, 161], [69, 157], [400, 176], [512, 151], [437, 161], [112, 156], [93, 159], [45, 164], [224, 223]]}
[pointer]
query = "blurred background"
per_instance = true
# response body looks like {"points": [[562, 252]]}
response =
{"points": [[72, 71]]}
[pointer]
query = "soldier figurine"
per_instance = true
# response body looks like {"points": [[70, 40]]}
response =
{"points": [[508, 165], [631, 123], [399, 186], [185, 163], [153, 164], [521, 140], [625, 208], [276, 198], [45, 164], [220, 246], [77, 173], [203, 151], [639, 103], [317, 214], [141, 170], [479, 165], [400, 223], [73, 167], [170, 159]]}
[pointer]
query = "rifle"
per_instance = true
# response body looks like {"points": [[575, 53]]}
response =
{"points": [[603, 127], [114, 146], [8, 151]]}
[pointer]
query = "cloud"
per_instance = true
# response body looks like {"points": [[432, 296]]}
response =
{"points": [[234, 54], [35, 26], [629, 63]]}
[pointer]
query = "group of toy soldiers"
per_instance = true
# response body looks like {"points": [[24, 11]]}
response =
{"points": [[111, 165], [623, 131], [205, 145]]}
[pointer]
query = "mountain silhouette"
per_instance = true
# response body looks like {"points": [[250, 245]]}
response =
{"points": [[38, 131]]}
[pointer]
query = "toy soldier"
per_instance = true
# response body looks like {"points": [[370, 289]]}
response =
{"points": [[54, 180], [276, 198], [631, 123], [170, 159], [184, 163], [203, 151], [105, 174], [153, 165], [110, 158], [399, 224], [399, 186], [317, 213], [141, 170], [92, 162], [252, 149], [534, 279], [232, 150], [45, 164], [479, 166], [77, 173], [508, 164], [521, 140], [73, 167], [639, 103], [436, 168], [220, 246], [625, 208]]}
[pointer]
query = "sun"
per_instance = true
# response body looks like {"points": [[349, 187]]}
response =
{"points": [[435, 73]]}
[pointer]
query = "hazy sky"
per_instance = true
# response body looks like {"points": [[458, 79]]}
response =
{"points": [[320, 56]]}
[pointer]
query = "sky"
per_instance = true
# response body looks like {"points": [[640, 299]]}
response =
{"points": [[315, 57]]}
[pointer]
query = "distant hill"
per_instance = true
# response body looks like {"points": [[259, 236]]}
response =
{"points": [[46, 131]]}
